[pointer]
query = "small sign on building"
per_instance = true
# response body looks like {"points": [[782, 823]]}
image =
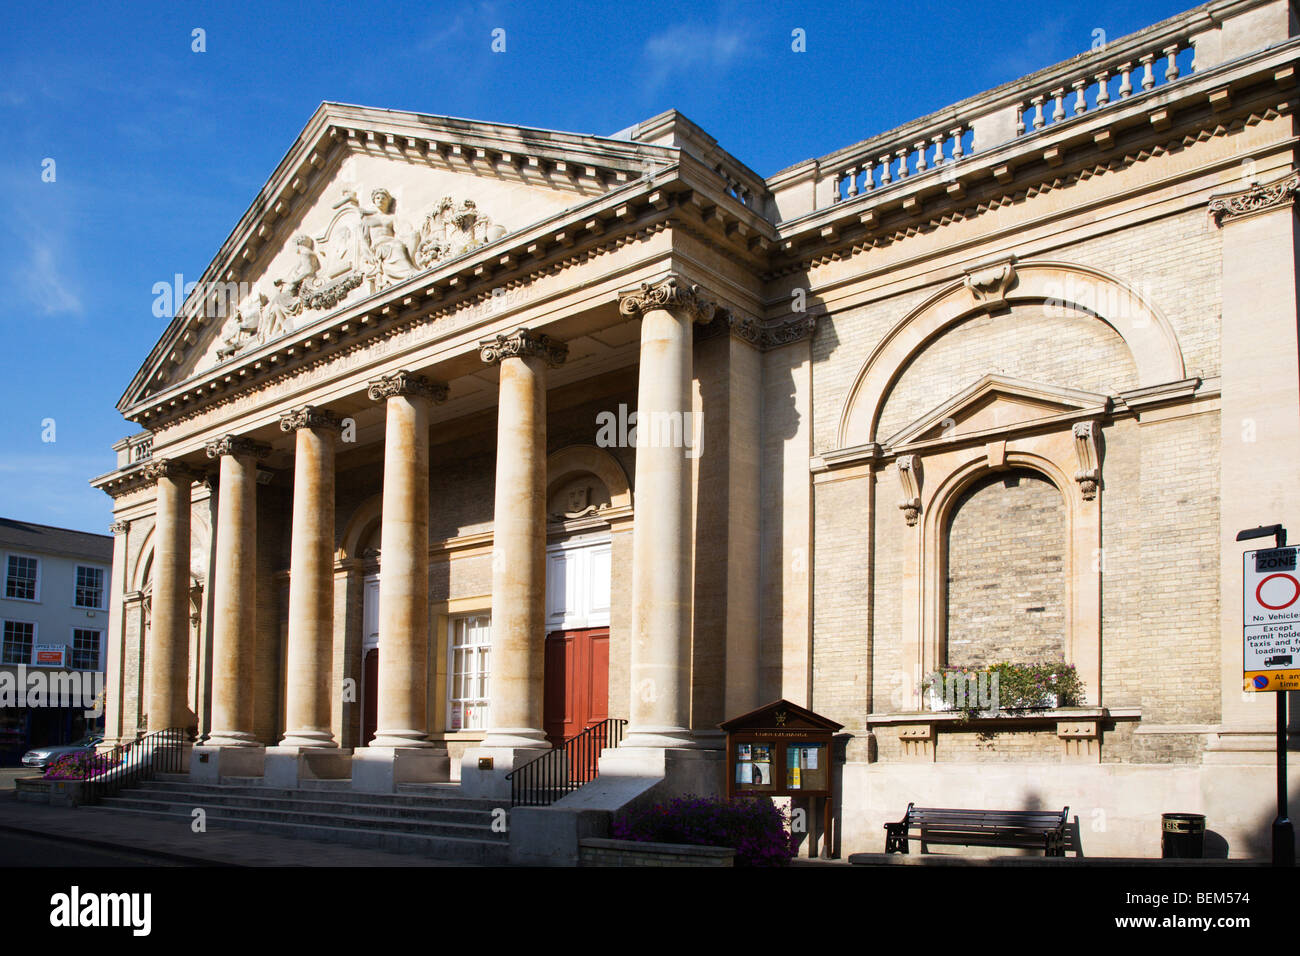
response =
{"points": [[50, 655], [1271, 620]]}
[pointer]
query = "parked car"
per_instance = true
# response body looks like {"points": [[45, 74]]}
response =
{"points": [[42, 757]]}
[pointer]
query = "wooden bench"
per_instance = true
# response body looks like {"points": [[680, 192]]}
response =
{"points": [[1035, 829]]}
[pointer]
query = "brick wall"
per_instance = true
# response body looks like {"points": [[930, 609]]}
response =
{"points": [[1006, 577], [1058, 347]]}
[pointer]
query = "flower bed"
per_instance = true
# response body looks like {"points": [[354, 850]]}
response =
{"points": [[80, 766], [753, 826]]}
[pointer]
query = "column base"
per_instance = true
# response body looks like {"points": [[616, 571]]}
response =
{"points": [[303, 739], [401, 739], [289, 766], [231, 738], [378, 769], [490, 782], [209, 764]]}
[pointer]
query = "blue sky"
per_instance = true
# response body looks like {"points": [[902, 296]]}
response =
{"points": [[158, 150]]}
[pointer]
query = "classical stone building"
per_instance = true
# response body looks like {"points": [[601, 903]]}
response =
{"points": [[999, 384]]}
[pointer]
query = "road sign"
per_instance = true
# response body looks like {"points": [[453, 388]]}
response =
{"points": [[1271, 620]]}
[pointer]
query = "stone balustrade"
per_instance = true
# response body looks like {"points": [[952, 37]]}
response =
{"points": [[911, 155], [1111, 73], [1104, 79]]}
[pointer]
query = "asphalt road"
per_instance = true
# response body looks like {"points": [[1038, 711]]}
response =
{"points": [[22, 849]]}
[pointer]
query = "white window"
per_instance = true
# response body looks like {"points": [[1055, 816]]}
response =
{"points": [[18, 639], [90, 588], [469, 643], [85, 649], [22, 578]]}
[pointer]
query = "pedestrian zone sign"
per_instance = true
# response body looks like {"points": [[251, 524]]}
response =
{"points": [[1271, 619]]}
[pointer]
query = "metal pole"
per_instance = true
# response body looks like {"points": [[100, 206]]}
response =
{"points": [[1283, 831]]}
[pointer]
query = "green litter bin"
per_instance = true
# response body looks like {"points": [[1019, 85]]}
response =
{"points": [[1182, 836]]}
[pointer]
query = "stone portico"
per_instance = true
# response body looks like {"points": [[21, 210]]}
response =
{"points": [[1002, 382]]}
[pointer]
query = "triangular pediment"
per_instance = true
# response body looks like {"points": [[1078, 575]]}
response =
{"points": [[996, 403], [366, 199]]}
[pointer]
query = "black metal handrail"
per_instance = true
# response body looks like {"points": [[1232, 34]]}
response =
{"points": [[108, 771], [566, 767]]}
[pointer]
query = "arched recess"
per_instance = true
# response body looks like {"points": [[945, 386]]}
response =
{"points": [[200, 539], [946, 477], [361, 528], [1146, 332], [574, 460]]}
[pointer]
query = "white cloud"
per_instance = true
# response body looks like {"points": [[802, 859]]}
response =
{"points": [[46, 283], [689, 49]]}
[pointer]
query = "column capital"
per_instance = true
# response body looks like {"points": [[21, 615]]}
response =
{"points": [[1255, 199], [674, 294], [170, 468], [309, 416], [406, 383], [119, 527], [522, 343], [237, 445]]}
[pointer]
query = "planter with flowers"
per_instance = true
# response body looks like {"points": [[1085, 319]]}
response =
{"points": [[1005, 689]]}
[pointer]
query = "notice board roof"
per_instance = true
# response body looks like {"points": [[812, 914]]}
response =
{"points": [[780, 715]]}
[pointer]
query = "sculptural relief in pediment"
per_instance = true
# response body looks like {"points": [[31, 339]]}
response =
{"points": [[367, 246]]}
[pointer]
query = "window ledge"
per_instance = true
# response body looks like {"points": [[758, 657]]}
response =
{"points": [[1009, 717]]}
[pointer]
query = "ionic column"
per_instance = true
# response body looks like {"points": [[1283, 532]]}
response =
{"points": [[167, 654], [661, 537], [519, 537], [404, 560], [311, 579], [234, 591]]}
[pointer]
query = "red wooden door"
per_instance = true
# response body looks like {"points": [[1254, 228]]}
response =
{"points": [[369, 695], [577, 686]]}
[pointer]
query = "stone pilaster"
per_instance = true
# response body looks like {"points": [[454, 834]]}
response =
{"points": [[519, 538], [115, 637], [1260, 436], [234, 591], [311, 579], [168, 648], [661, 563]]}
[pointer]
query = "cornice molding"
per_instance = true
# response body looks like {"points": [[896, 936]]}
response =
{"points": [[523, 343], [1257, 198], [407, 384], [354, 333]]}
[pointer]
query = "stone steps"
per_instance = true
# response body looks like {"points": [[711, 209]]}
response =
{"points": [[436, 823]]}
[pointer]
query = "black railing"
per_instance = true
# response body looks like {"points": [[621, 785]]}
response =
{"points": [[560, 771], [107, 772]]}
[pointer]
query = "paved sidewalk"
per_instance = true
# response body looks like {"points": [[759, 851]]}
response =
{"points": [[177, 843]]}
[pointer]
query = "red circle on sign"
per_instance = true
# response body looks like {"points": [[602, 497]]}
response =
{"points": [[1285, 604]]}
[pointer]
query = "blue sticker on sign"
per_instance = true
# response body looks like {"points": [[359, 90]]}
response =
{"points": [[1260, 681]]}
